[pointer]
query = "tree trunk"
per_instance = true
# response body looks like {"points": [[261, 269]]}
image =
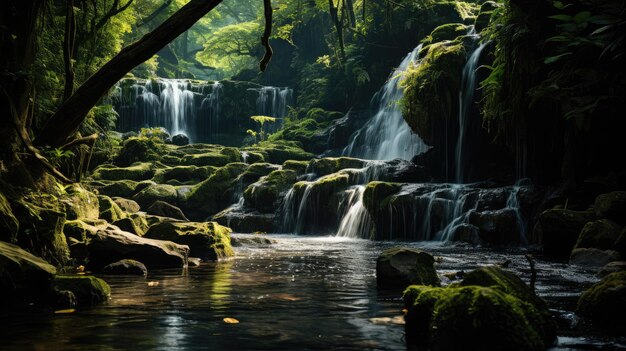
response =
{"points": [[72, 112]]}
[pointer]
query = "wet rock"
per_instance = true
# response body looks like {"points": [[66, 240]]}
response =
{"points": [[180, 140], [611, 206], [400, 267], [246, 221], [297, 166], [250, 240], [163, 209], [128, 206], [592, 257], [400, 170], [129, 225], [207, 240], [612, 267], [64, 299], [466, 233], [111, 245], [88, 290], [604, 304], [268, 191], [496, 227], [328, 165], [140, 149], [473, 318], [559, 230], [23, 276], [126, 267], [600, 234], [185, 174], [194, 261]]}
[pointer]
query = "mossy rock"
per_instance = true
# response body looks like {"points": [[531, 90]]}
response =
{"points": [[559, 229], [449, 31], [604, 304], [267, 192], [376, 195], [23, 276], [473, 318], [81, 230], [611, 206], [215, 193], [600, 234], [183, 174], [88, 290], [207, 240], [298, 166], [129, 225], [9, 225], [109, 210], [400, 267], [152, 193], [80, 203], [164, 209], [277, 152], [138, 171], [328, 165], [126, 267], [120, 188], [127, 205], [431, 90], [255, 172], [217, 158], [140, 149], [487, 10]]}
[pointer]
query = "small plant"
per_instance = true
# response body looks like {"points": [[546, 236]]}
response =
{"points": [[260, 120], [57, 156]]}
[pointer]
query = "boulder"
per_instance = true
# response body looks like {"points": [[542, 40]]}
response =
{"points": [[129, 225], [246, 221], [612, 267], [473, 318], [592, 257], [111, 245], [22, 275], [126, 267], [180, 140], [109, 210], [146, 197], [328, 165], [138, 171], [206, 240], [163, 209], [611, 206], [600, 234], [267, 192], [466, 233], [80, 203], [250, 240], [128, 206], [401, 266], [559, 230], [497, 227], [604, 304], [88, 290], [121, 188]]}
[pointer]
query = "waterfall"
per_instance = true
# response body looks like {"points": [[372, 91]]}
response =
{"points": [[210, 107], [386, 135], [273, 102], [356, 222], [466, 100]]}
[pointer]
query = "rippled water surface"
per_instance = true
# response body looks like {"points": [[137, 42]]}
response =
{"points": [[302, 293]]}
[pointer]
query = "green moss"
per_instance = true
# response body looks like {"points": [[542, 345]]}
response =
{"points": [[600, 234], [207, 240], [109, 210], [140, 149], [449, 31], [472, 317], [376, 195], [138, 171], [121, 188], [264, 194], [80, 203], [604, 304], [152, 193], [280, 151], [9, 225], [298, 166], [88, 290], [211, 195], [217, 158], [431, 89], [183, 174], [328, 165]]}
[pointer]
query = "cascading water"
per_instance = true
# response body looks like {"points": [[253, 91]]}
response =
{"points": [[273, 102], [356, 222], [466, 100], [210, 109], [386, 135]]}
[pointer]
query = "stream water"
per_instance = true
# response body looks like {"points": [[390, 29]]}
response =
{"points": [[301, 293]]}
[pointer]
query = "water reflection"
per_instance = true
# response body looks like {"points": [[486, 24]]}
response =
{"points": [[302, 293]]}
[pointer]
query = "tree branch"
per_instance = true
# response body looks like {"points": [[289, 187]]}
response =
{"points": [[72, 112], [265, 39]]}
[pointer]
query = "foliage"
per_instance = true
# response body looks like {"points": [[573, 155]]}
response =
{"points": [[260, 120]]}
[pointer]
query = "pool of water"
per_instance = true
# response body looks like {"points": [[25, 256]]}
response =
{"points": [[301, 293]]}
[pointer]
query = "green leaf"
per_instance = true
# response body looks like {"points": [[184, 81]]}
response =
{"points": [[563, 18], [552, 59], [582, 17]]}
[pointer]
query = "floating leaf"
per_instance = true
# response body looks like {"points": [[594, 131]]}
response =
{"points": [[229, 320], [66, 311], [153, 283]]}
